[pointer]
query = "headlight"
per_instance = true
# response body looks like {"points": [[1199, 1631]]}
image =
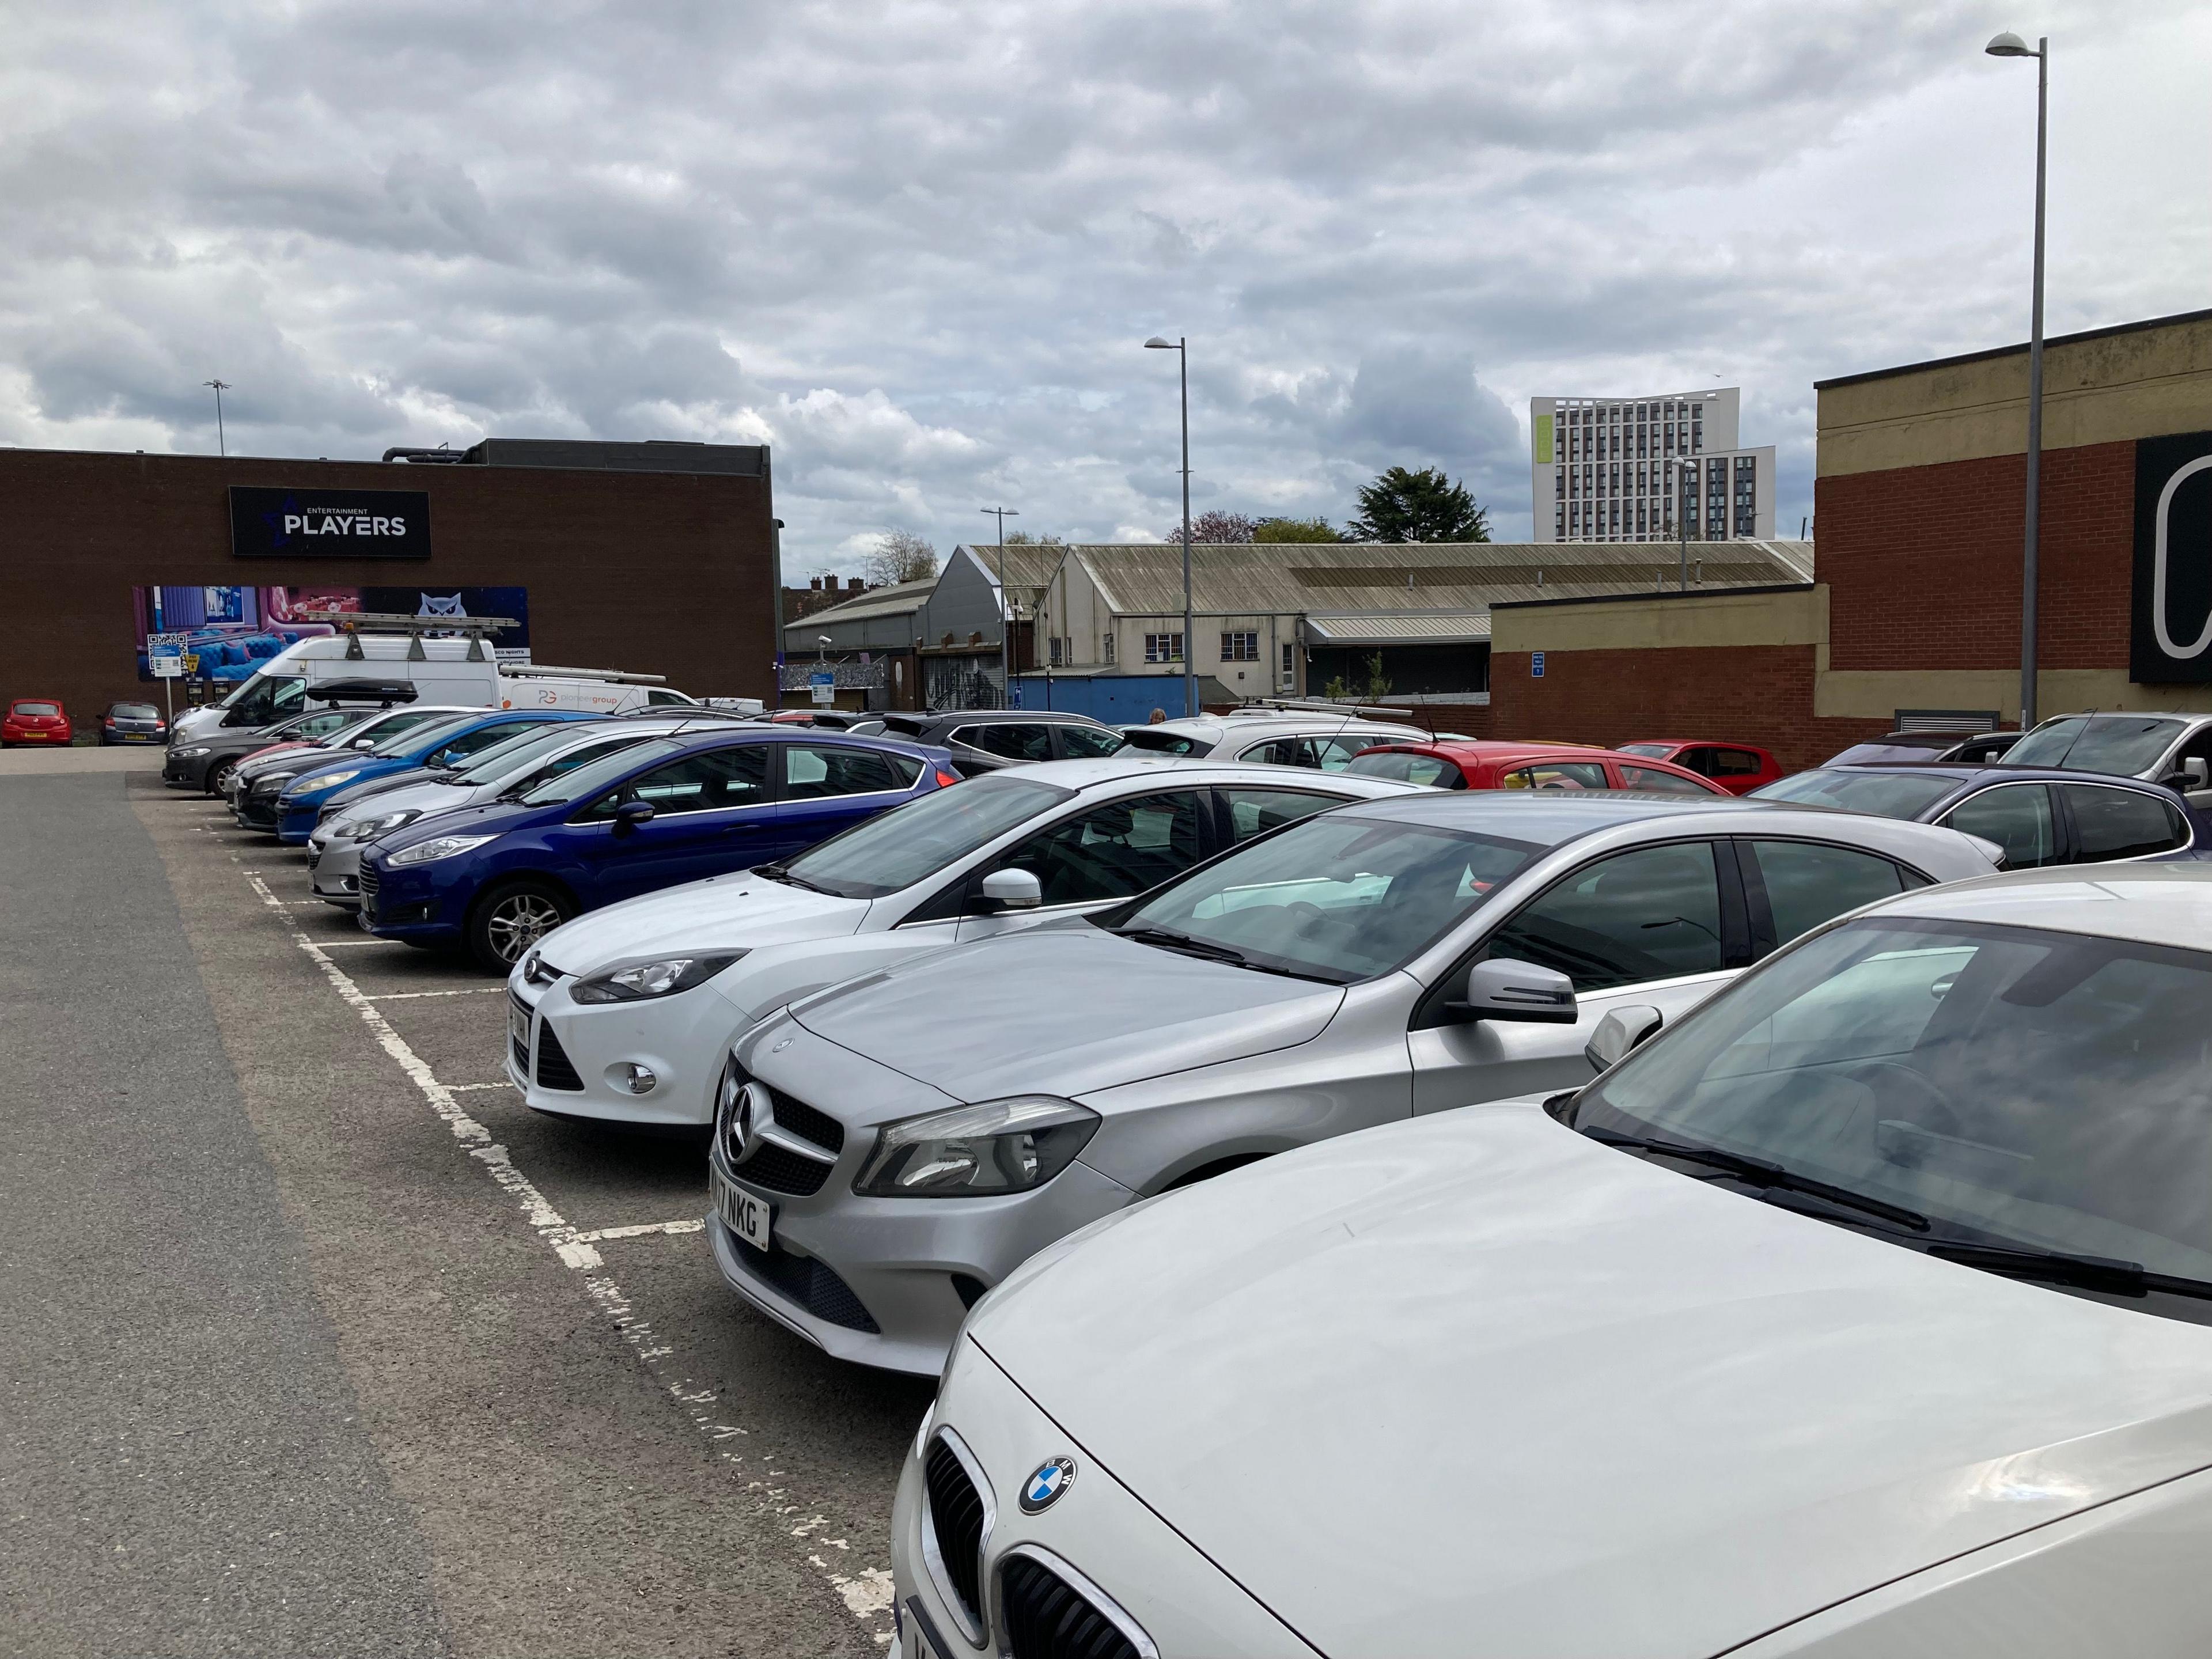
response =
{"points": [[660, 977], [445, 847], [999, 1147], [326, 779], [192, 754], [370, 829]]}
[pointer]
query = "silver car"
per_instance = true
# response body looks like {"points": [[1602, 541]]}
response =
{"points": [[1318, 741], [888, 1150]]}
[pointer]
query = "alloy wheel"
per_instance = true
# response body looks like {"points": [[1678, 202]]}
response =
{"points": [[519, 921]]}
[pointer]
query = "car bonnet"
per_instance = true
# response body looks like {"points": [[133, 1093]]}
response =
{"points": [[1063, 1009], [737, 912], [1478, 1373]]}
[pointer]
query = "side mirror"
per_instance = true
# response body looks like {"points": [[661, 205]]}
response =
{"points": [[630, 814], [1515, 991], [1619, 1032], [364, 743], [2191, 774], [1013, 889]]}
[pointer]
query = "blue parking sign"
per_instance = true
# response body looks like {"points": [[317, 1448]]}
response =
{"points": [[1536, 665]]}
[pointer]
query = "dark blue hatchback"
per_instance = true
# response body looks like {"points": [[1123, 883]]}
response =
{"points": [[661, 812]]}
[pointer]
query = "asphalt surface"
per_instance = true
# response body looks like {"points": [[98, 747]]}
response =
{"points": [[321, 1343]]}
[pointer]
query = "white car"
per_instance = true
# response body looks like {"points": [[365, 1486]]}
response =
{"points": [[1272, 736], [626, 1013], [1860, 1314]]}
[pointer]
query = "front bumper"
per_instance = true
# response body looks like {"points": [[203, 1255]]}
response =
{"points": [[295, 822], [413, 907], [337, 873], [574, 1047], [254, 812]]}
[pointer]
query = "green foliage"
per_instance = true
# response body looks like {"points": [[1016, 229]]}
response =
{"points": [[1418, 507], [1378, 683], [1023, 538], [1295, 530]]}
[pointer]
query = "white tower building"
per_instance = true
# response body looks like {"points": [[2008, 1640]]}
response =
{"points": [[1619, 469]]}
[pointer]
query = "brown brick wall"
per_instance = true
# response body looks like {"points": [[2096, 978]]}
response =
{"points": [[1923, 563], [649, 572]]}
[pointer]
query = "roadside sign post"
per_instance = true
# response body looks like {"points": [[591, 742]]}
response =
{"points": [[165, 657], [823, 684], [1536, 665]]}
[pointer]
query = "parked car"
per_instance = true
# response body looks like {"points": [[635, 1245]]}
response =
{"points": [[288, 760], [2038, 816], [1318, 741], [887, 1150], [1738, 768], [834, 720], [1980, 747], [132, 722], [350, 820], [35, 721], [626, 1013], [439, 748], [656, 814], [205, 763], [1862, 1315], [2172, 749], [1552, 767], [982, 740]]}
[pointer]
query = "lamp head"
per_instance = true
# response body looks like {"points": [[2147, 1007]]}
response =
{"points": [[1156, 343], [2010, 44]]}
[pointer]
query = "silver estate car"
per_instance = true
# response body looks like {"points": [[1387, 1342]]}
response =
{"points": [[1315, 738], [886, 1151]]}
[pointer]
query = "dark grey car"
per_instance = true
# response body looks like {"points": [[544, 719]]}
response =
{"points": [[984, 739]]}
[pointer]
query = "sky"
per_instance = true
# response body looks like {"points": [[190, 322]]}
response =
{"points": [[916, 248]]}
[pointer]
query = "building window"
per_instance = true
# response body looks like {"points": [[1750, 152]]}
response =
{"points": [[1107, 655], [1239, 648], [1289, 669], [1162, 648], [1056, 659]]}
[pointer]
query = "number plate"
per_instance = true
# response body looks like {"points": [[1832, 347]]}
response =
{"points": [[750, 1219], [517, 1026]]}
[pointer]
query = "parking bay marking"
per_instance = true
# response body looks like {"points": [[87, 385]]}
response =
{"points": [[866, 1592], [466, 991]]}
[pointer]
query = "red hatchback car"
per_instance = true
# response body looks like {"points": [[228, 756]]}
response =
{"points": [[35, 720], [1738, 768], [1494, 765]]}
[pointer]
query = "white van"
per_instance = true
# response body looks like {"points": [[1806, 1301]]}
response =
{"points": [[443, 670]]}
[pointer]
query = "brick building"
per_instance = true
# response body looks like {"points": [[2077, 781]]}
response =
{"points": [[1920, 494]]}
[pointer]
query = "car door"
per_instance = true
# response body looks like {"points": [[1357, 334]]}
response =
{"points": [[2019, 817], [1084, 742], [831, 786], [1246, 810], [1105, 851], [1663, 924], [1791, 886], [711, 807], [2110, 823]]}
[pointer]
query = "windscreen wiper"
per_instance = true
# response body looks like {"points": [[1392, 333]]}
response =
{"points": [[1763, 1172], [780, 871], [2087, 1273], [1167, 938]]}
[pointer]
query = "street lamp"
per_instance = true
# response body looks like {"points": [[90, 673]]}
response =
{"points": [[219, 388], [1179, 346], [1005, 610], [2010, 44]]}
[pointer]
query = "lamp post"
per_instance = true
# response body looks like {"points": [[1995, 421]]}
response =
{"points": [[1179, 346], [1005, 610], [219, 387], [2010, 44]]}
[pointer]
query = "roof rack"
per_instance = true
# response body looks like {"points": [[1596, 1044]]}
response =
{"points": [[1347, 711], [354, 623], [522, 671]]}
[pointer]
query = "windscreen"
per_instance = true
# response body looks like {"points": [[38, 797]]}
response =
{"points": [[2032, 1089], [1339, 898], [137, 711], [605, 773], [2124, 744], [1649, 750], [912, 844], [518, 753], [1882, 794], [412, 745]]}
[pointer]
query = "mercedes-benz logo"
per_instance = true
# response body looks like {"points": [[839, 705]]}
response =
{"points": [[751, 1113]]}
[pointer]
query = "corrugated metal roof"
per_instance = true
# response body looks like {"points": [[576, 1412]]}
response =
{"points": [[1402, 628], [1145, 578], [899, 598], [1029, 564]]}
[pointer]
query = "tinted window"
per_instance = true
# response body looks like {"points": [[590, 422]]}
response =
{"points": [[1651, 914], [1651, 780], [1114, 849], [2017, 818], [483, 739], [2121, 823], [588, 780], [1556, 775], [1284, 752], [136, 711], [1884, 794], [2124, 744], [1431, 770], [898, 849], [703, 783], [402, 744], [1731, 763], [1809, 883], [1255, 811], [664, 699], [34, 709], [1013, 739], [811, 773], [1158, 743], [1088, 742]]}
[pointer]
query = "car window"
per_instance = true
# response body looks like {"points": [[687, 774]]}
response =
{"points": [[1652, 781], [706, 781], [1143, 741], [1255, 811], [665, 699], [1014, 739], [2121, 823], [1884, 794], [483, 739], [1088, 742], [1556, 775], [1336, 754], [1809, 883], [897, 849], [1650, 751], [34, 710], [1731, 763], [2017, 817], [1651, 912], [137, 711], [320, 726], [814, 772], [1112, 850], [2121, 744], [1284, 751], [1431, 770]]}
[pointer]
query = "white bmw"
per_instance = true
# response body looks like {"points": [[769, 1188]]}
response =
{"points": [[1862, 1315]]}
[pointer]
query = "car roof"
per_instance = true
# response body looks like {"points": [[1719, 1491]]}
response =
{"points": [[1495, 748], [764, 732], [1694, 743], [2147, 903], [1180, 768], [1969, 772]]}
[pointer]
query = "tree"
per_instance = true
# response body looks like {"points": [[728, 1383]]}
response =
{"points": [[1215, 525], [1295, 530], [900, 557], [1023, 538], [1418, 507]]}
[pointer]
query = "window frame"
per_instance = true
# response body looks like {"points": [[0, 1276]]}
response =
{"points": [[780, 781], [2163, 797], [962, 893], [1761, 910], [1224, 810], [771, 786]]}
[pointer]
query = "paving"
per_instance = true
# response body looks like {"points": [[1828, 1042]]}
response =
{"points": [[323, 1344]]}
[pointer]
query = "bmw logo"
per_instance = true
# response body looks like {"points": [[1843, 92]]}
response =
{"points": [[1043, 1487]]}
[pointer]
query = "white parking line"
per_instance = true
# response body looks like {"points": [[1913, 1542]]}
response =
{"points": [[468, 990], [343, 944], [866, 1590], [601, 1235], [463, 1088]]}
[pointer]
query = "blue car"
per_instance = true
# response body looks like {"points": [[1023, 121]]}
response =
{"points": [[436, 748], [667, 810]]}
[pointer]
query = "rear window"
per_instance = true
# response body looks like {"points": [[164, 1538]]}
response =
{"points": [[1884, 794], [1649, 750], [136, 711], [38, 708], [1158, 743], [1433, 770]]}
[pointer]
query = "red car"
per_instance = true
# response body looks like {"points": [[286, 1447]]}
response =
{"points": [[35, 720], [1738, 768], [1494, 765]]}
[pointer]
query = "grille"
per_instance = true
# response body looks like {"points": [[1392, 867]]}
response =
{"points": [[555, 1069], [520, 1042], [1044, 1617], [782, 1171], [369, 881], [956, 1515], [774, 1167], [814, 1286]]}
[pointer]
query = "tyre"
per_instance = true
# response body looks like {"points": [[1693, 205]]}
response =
{"points": [[218, 774], [512, 916]]}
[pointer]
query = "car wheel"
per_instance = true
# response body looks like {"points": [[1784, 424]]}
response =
{"points": [[511, 918], [219, 775]]}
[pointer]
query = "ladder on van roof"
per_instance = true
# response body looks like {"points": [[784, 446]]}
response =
{"points": [[354, 623]]}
